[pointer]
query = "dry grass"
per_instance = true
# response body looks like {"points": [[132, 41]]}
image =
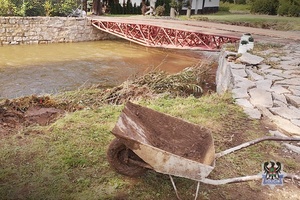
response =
{"points": [[151, 85]]}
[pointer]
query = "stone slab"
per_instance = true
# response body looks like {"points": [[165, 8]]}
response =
{"points": [[295, 87], [244, 103], [254, 76], [289, 64], [296, 122], [252, 112], [224, 78], [285, 75], [295, 92], [273, 77], [294, 100], [281, 123], [279, 89], [292, 147], [273, 71], [277, 103], [264, 84], [237, 66], [295, 72], [243, 82], [264, 67], [274, 59], [250, 59], [292, 81], [279, 97], [239, 72], [260, 97], [277, 133], [287, 112], [240, 93]]}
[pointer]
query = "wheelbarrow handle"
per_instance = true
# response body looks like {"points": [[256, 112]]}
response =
{"points": [[243, 179], [250, 143]]}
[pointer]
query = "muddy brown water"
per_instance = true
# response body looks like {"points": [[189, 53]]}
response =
{"points": [[44, 69]]}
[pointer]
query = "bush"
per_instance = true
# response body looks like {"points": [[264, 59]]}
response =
{"points": [[240, 1], [283, 8], [160, 10], [287, 8], [7, 8], [67, 7], [294, 11], [48, 6], [34, 8], [269, 7], [224, 8]]}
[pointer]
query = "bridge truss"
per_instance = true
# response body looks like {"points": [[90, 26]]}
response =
{"points": [[157, 36]]}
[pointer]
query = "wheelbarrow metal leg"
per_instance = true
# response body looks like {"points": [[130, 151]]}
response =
{"points": [[197, 191], [174, 186]]}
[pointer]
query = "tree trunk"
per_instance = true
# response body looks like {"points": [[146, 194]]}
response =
{"points": [[84, 5], [97, 7]]}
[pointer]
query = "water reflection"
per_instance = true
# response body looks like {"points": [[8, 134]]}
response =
{"points": [[38, 69]]}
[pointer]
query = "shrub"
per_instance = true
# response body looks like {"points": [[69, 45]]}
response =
{"points": [[7, 8], [224, 8], [67, 7], [160, 10], [294, 11], [289, 8], [269, 7], [283, 8], [48, 8], [34, 8]]}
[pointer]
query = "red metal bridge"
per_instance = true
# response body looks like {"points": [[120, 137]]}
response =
{"points": [[166, 35]]}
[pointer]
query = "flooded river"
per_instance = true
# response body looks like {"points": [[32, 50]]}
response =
{"points": [[41, 69]]}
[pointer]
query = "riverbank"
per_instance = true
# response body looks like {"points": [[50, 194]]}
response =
{"points": [[66, 157]]}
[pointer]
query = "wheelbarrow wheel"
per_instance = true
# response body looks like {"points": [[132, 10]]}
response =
{"points": [[120, 158]]}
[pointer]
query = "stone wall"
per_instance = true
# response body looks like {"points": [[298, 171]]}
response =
{"points": [[40, 30]]}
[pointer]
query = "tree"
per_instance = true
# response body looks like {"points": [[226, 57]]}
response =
{"points": [[129, 8], [7, 8], [84, 5], [97, 7]]}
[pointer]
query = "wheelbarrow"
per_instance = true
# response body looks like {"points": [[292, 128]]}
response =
{"points": [[147, 139]]}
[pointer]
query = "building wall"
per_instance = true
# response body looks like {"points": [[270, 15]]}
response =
{"points": [[37, 30], [212, 3], [210, 6]]}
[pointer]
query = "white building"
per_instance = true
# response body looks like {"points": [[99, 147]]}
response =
{"points": [[208, 5]]}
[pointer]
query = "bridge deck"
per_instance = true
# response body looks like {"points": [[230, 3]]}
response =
{"points": [[163, 33]]}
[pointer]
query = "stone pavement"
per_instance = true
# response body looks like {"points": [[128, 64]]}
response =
{"points": [[270, 88]]}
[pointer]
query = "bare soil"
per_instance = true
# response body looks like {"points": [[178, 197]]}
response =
{"points": [[18, 113]]}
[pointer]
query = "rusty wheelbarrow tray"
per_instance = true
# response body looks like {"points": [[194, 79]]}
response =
{"points": [[147, 139]]}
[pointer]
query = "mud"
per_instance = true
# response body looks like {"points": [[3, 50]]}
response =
{"points": [[19, 113]]}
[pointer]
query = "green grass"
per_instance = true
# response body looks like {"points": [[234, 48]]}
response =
{"points": [[67, 159], [259, 21], [236, 8]]}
